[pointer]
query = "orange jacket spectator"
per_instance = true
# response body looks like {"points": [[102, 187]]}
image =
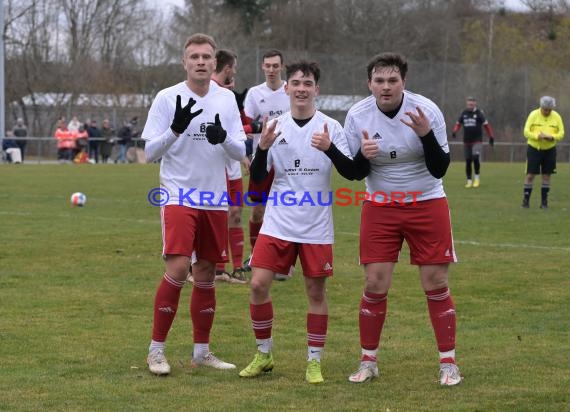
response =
{"points": [[65, 138]]}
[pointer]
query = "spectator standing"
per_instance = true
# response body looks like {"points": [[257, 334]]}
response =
{"points": [[125, 138], [108, 134], [65, 143], [74, 123], [20, 132], [94, 140]]}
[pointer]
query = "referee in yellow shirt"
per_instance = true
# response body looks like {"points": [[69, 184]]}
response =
{"points": [[543, 129]]}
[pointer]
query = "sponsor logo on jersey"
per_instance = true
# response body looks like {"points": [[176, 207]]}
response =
{"points": [[282, 141], [377, 136]]}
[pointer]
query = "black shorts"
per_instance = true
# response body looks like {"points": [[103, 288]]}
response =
{"points": [[472, 149], [540, 161]]}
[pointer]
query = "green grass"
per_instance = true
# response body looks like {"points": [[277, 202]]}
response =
{"points": [[77, 286]]}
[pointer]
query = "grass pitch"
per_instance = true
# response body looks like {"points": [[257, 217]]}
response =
{"points": [[77, 286]]}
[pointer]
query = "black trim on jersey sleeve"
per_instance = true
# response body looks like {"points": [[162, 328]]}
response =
{"points": [[258, 167], [350, 169], [437, 161]]}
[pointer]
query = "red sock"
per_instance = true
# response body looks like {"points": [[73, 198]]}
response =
{"points": [[165, 306], [317, 329], [202, 310], [371, 318], [221, 266], [253, 232], [442, 315], [236, 246], [261, 319]]}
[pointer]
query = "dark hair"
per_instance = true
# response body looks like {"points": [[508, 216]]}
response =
{"points": [[224, 58], [305, 67], [272, 53], [383, 60]]}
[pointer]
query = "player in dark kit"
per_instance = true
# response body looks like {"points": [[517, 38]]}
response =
{"points": [[473, 120]]}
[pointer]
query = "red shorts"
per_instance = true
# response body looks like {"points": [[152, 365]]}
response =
{"points": [[185, 229], [279, 255], [425, 225], [255, 191], [235, 192]]}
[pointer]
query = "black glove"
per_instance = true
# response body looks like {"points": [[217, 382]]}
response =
{"points": [[240, 98], [183, 115], [491, 141], [215, 133], [256, 127]]}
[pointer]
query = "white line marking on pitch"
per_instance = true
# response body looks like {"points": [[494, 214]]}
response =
{"points": [[502, 245]]}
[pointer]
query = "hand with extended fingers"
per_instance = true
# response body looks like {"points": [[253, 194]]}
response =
{"points": [[183, 115], [368, 147], [419, 123], [268, 134], [321, 140]]}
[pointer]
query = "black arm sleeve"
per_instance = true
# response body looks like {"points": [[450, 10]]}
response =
{"points": [[351, 169], [258, 167], [437, 161]]}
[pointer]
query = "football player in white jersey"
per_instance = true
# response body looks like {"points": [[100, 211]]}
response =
{"points": [[301, 147], [224, 76], [192, 139], [270, 100], [406, 201]]}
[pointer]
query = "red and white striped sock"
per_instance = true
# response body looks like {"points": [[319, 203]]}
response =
{"points": [[442, 314], [373, 307], [165, 306], [202, 310], [262, 323], [316, 335]]}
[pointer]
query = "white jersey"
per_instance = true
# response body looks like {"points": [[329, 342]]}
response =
{"points": [[192, 170], [233, 168], [400, 167], [262, 101], [299, 204]]}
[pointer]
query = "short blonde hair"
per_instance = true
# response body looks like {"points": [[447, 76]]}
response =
{"points": [[200, 38]]}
